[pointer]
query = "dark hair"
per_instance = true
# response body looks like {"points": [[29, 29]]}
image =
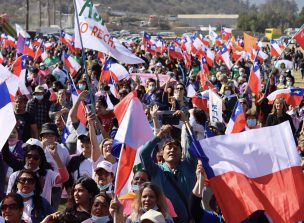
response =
{"points": [[89, 184], [37, 199], [102, 101], [16, 197], [143, 171], [199, 116], [172, 141], [44, 164]]}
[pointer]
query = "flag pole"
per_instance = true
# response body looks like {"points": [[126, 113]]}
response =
{"points": [[276, 61], [84, 61]]}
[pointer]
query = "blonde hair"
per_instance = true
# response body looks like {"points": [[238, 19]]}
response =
{"points": [[274, 110], [137, 204], [102, 143]]}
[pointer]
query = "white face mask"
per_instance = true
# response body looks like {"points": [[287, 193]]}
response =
{"points": [[82, 87], [227, 93], [38, 97], [213, 78], [151, 88], [289, 83], [103, 219]]}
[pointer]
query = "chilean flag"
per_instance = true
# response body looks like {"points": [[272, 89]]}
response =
{"points": [[8, 41], [134, 131], [226, 33], [255, 170], [146, 39], [11, 81], [255, 78], [7, 116], [200, 100], [237, 122], [299, 37], [275, 49], [175, 52], [292, 96], [24, 46], [197, 45], [19, 70], [204, 65], [81, 109], [226, 57], [72, 64], [151, 48], [209, 56], [186, 43], [39, 51], [116, 70]]}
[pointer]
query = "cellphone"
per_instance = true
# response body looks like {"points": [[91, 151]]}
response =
{"points": [[89, 108], [169, 119]]}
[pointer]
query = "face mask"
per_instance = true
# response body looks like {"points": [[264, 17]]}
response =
{"points": [[23, 195], [151, 88], [251, 122], [104, 187], [12, 142], [227, 93], [39, 97], [134, 188], [288, 83], [213, 78], [82, 87], [102, 219]]}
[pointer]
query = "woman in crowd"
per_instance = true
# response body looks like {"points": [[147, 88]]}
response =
{"points": [[279, 115], [36, 208], [61, 107], [79, 207], [149, 197], [35, 160], [12, 208]]}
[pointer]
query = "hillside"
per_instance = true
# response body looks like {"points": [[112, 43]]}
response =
{"points": [[16, 8]]}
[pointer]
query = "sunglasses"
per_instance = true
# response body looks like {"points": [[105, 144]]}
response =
{"points": [[180, 89], [28, 180], [9, 206], [34, 157]]}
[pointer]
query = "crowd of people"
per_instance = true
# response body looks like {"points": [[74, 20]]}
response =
{"points": [[51, 160]]}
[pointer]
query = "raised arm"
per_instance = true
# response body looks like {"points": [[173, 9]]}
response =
{"points": [[74, 109], [96, 153], [147, 149]]}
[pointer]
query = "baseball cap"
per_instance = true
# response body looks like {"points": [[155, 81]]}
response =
{"points": [[154, 216], [106, 165], [32, 142]]}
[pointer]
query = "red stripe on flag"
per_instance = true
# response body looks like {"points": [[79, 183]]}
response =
{"points": [[126, 162], [280, 194]]}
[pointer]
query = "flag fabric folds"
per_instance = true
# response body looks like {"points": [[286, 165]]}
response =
{"points": [[134, 130], [292, 96], [299, 37], [255, 78], [7, 116], [255, 170], [116, 70], [237, 122], [96, 36], [226, 57], [72, 64]]}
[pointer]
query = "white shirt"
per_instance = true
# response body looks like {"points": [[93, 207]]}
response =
{"points": [[49, 182], [61, 75]]}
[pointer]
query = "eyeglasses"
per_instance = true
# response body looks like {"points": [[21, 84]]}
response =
{"points": [[179, 89], [9, 206], [27, 180], [34, 157]]}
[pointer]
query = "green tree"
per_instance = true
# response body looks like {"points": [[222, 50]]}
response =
{"points": [[300, 19]]}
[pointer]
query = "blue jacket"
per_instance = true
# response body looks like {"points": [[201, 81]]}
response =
{"points": [[46, 210], [184, 176]]}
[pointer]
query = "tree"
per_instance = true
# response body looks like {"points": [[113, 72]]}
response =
{"points": [[300, 19]]}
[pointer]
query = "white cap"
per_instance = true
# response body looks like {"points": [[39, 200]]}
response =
{"points": [[106, 165], [32, 142], [154, 216]]}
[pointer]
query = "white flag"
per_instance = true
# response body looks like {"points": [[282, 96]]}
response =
{"points": [[215, 107], [21, 31], [212, 35], [96, 36]]}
